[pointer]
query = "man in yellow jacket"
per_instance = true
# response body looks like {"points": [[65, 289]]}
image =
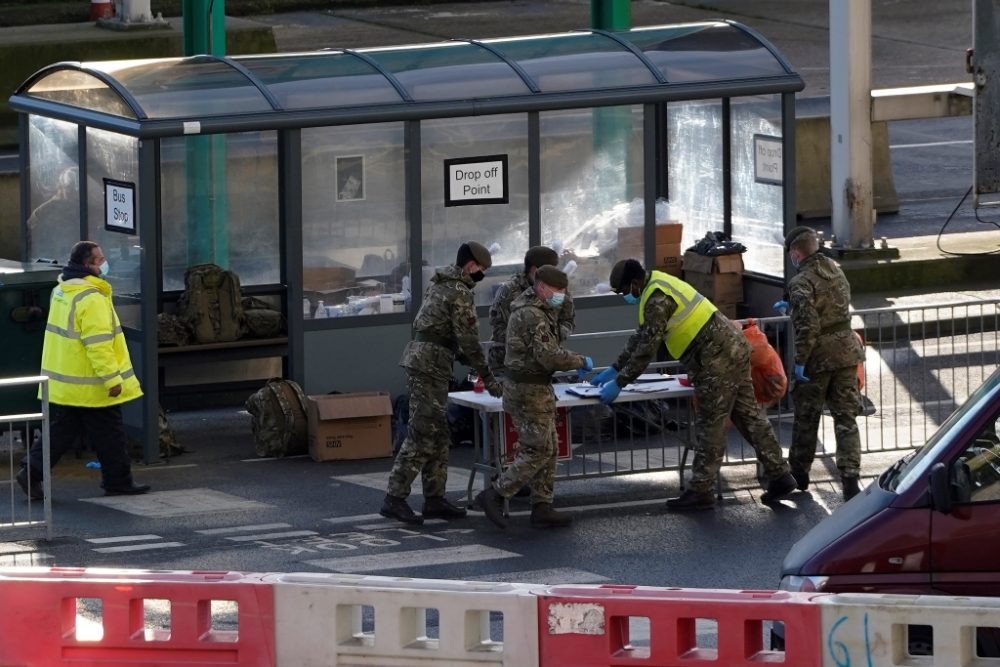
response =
{"points": [[90, 375]]}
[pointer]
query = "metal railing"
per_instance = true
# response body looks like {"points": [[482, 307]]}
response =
{"points": [[921, 363], [23, 512]]}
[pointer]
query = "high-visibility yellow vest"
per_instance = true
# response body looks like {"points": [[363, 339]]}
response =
{"points": [[84, 352], [693, 310]]}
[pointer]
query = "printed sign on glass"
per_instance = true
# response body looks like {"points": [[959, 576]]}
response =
{"points": [[767, 159], [119, 206], [475, 180]]}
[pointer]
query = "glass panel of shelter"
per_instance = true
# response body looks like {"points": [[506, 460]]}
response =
{"points": [[355, 236], [592, 190], [80, 89], [53, 224], [219, 204], [502, 228]]}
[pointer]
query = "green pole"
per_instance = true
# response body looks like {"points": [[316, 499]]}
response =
{"points": [[206, 172], [612, 127], [610, 14]]}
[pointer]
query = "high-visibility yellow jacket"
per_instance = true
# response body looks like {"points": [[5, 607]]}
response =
{"points": [[84, 353], [693, 310]]}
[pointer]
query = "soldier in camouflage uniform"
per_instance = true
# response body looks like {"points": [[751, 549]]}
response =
{"points": [[826, 359], [534, 353], [717, 358], [535, 258], [446, 326]]}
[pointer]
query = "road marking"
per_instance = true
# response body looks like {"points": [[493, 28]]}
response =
{"points": [[552, 576], [242, 529], [458, 480], [184, 502], [932, 144], [272, 536], [352, 519], [273, 458], [392, 523], [139, 547], [469, 553], [24, 559], [123, 538]]}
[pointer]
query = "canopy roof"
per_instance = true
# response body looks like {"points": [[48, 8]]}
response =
{"points": [[458, 77]]}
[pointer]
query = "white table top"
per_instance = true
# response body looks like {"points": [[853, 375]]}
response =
{"points": [[486, 403]]}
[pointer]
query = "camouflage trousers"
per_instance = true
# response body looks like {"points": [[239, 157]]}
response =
{"points": [[425, 450], [719, 369], [532, 408], [837, 389]]}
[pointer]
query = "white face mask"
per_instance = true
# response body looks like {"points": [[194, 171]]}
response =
{"points": [[104, 268]]}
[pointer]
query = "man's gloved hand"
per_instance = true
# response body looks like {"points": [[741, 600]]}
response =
{"points": [[604, 376], [494, 388], [609, 392], [781, 307], [588, 365], [800, 373]]}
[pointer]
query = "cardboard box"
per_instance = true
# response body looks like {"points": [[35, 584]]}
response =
{"points": [[668, 258], [718, 278], [630, 240], [350, 426]]}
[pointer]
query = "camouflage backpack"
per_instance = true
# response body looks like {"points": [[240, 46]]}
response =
{"points": [[280, 427], [262, 321], [211, 304]]}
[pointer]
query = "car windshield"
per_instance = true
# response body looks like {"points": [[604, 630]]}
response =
{"points": [[908, 470]]}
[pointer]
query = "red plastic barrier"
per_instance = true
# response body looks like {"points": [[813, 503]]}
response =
{"points": [[40, 625], [589, 626]]}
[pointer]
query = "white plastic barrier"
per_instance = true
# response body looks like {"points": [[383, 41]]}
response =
{"points": [[339, 619], [870, 630]]}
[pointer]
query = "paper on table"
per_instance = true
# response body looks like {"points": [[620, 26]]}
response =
{"points": [[585, 390]]}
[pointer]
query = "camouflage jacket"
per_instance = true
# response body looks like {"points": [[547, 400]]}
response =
{"points": [[820, 299], [448, 312], [500, 315], [533, 344], [641, 346]]}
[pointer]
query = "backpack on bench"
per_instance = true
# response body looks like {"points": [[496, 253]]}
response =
{"points": [[212, 304], [280, 426]]}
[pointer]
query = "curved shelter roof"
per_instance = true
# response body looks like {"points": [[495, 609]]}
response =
{"points": [[163, 97]]}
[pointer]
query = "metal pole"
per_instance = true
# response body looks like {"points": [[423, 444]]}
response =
{"points": [[850, 122], [610, 14]]}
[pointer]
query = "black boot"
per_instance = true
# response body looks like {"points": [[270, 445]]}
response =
{"points": [[35, 491], [801, 480], [543, 516], [439, 507], [851, 487], [778, 488], [491, 502], [692, 500], [396, 508]]}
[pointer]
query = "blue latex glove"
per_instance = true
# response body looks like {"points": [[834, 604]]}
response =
{"points": [[781, 307], [588, 365], [605, 376], [800, 373], [609, 392]]}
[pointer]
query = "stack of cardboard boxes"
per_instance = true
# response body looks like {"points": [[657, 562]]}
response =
{"points": [[719, 278], [667, 252]]}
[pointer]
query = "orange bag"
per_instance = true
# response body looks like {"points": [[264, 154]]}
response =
{"points": [[766, 370]]}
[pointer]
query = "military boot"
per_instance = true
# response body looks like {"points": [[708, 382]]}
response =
{"points": [[801, 480], [491, 502], [543, 516], [440, 507], [396, 508], [778, 488], [851, 487], [692, 500]]}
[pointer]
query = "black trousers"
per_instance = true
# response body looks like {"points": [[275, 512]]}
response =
{"points": [[104, 432]]}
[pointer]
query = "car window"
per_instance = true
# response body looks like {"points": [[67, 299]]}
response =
{"points": [[978, 467]]}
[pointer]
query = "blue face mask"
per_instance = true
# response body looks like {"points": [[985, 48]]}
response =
{"points": [[104, 268], [631, 299], [557, 299], [794, 263]]}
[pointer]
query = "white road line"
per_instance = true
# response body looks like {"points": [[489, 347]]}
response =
{"points": [[242, 529], [139, 547], [392, 523], [123, 538], [932, 144], [552, 576], [469, 553], [352, 519], [179, 465], [24, 559], [272, 536], [273, 458]]}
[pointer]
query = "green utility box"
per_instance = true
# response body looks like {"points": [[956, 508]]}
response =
{"points": [[24, 307]]}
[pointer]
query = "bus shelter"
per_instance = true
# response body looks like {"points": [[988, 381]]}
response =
{"points": [[332, 182]]}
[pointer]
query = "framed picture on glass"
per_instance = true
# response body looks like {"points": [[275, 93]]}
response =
{"points": [[350, 177]]}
